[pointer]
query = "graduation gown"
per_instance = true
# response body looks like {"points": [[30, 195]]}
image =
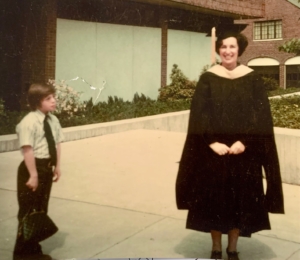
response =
{"points": [[226, 192]]}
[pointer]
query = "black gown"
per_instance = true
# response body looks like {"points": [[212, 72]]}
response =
{"points": [[226, 192]]}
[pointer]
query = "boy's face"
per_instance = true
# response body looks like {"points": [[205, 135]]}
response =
{"points": [[48, 104]]}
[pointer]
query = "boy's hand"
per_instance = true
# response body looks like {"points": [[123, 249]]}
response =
{"points": [[32, 183], [56, 174]]}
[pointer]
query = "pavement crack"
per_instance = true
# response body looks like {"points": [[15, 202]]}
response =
{"points": [[134, 234], [282, 239], [109, 206], [290, 257]]}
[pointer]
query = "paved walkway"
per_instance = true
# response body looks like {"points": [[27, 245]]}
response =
{"points": [[116, 200]]}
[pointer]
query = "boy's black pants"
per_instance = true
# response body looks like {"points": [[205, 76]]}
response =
{"points": [[28, 199]]}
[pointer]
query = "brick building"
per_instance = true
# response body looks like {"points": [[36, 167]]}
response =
{"points": [[29, 33], [281, 22]]}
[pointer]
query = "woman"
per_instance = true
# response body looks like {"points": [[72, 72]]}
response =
{"points": [[230, 138]]}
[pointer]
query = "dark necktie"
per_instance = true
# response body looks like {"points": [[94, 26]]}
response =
{"points": [[50, 141]]}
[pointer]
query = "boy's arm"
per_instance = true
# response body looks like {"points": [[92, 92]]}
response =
{"points": [[57, 172], [29, 159]]}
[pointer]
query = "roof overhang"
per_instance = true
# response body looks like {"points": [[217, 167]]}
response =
{"points": [[236, 9]]}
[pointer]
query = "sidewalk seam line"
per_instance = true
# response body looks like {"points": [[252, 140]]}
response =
{"points": [[121, 241], [279, 239], [293, 254]]}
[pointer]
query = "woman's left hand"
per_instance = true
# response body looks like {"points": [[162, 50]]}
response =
{"points": [[237, 148]]}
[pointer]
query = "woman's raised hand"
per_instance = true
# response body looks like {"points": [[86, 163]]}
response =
{"points": [[219, 148]]}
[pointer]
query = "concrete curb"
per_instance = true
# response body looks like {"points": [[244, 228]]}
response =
{"points": [[287, 140], [176, 121]]}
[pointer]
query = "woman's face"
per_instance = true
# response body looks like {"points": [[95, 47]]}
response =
{"points": [[228, 52]]}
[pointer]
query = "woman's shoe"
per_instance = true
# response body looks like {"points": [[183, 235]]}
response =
{"points": [[232, 255], [216, 255]]}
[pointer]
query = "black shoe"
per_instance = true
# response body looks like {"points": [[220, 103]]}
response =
{"points": [[232, 255], [216, 255]]}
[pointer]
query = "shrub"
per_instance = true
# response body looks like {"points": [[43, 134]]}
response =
{"points": [[2, 111], [181, 88], [270, 83], [9, 120], [291, 46], [286, 112], [68, 100], [281, 91]]}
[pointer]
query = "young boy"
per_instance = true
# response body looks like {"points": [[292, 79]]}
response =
{"points": [[41, 163]]}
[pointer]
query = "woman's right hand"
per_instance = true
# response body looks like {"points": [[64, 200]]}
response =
{"points": [[219, 148], [32, 183]]}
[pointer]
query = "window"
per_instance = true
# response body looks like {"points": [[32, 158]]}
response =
{"points": [[267, 30], [293, 76]]}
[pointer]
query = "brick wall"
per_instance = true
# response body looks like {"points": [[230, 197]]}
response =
{"points": [[39, 38], [10, 52], [51, 7], [274, 10]]}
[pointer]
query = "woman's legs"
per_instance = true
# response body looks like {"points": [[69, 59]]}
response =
{"points": [[233, 236], [216, 237]]}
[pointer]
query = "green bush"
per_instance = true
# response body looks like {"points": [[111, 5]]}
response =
{"points": [[2, 112], [117, 109], [181, 88], [9, 120], [286, 112], [270, 84], [281, 91], [175, 97], [291, 46]]}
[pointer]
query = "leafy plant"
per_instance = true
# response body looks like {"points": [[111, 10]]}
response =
{"points": [[270, 83], [281, 91], [2, 111], [291, 46], [68, 100], [181, 88], [286, 112]]}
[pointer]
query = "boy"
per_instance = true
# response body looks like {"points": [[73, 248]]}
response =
{"points": [[39, 135]]}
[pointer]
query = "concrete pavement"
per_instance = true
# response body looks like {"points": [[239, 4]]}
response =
{"points": [[116, 200]]}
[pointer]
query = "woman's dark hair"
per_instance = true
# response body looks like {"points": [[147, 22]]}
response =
{"points": [[242, 41], [37, 92]]}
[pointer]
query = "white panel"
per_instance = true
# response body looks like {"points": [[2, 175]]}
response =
{"points": [[146, 61], [126, 57], [190, 51], [75, 54], [178, 52], [114, 60], [200, 54], [293, 61], [263, 62]]}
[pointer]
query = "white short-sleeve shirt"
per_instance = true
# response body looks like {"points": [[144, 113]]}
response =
{"points": [[31, 132]]}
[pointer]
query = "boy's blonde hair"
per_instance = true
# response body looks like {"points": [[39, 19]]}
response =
{"points": [[37, 92]]}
